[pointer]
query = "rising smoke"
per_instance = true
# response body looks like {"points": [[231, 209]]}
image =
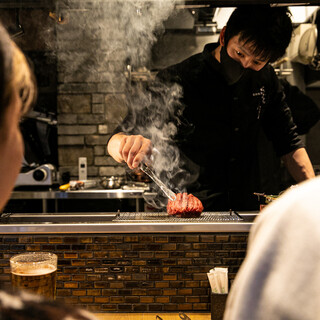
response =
{"points": [[100, 39], [101, 36]]}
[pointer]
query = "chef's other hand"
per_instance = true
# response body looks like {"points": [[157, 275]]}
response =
{"points": [[131, 149]]}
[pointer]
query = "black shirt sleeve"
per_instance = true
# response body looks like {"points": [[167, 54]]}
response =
{"points": [[277, 120], [305, 112]]}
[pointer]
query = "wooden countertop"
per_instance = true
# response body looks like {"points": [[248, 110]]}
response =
{"points": [[151, 316]]}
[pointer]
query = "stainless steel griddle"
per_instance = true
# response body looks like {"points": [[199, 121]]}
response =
{"points": [[156, 217]]}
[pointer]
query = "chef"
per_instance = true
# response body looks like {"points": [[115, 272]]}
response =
{"points": [[230, 94]]}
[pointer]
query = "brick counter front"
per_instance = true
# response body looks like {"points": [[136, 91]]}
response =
{"points": [[130, 272]]}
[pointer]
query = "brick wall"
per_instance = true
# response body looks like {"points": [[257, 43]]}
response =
{"points": [[84, 128], [91, 86], [130, 272]]}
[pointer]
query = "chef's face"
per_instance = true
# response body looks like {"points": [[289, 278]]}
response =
{"points": [[11, 147], [243, 53]]}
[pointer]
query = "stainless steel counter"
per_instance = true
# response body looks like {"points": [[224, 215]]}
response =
{"points": [[44, 196], [106, 223], [80, 194]]}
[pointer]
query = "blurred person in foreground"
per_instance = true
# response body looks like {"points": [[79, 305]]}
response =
{"points": [[17, 95], [230, 94], [280, 276]]}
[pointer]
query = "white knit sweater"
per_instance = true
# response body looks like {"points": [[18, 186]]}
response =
{"points": [[280, 276]]}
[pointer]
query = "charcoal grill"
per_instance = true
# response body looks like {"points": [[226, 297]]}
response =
{"points": [[163, 217]]}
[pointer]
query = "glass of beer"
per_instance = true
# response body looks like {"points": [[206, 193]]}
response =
{"points": [[35, 272]]}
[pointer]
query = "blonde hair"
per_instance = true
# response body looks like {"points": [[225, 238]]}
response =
{"points": [[16, 74], [23, 79]]}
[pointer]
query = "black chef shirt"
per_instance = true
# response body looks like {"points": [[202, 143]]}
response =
{"points": [[219, 128]]}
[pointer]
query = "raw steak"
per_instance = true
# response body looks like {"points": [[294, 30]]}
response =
{"points": [[185, 206]]}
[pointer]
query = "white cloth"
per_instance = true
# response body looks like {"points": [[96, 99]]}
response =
{"points": [[280, 276]]}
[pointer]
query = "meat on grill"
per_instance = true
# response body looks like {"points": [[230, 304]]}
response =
{"points": [[185, 206]]}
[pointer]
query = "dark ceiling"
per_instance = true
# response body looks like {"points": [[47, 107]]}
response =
{"points": [[211, 3], [233, 3]]}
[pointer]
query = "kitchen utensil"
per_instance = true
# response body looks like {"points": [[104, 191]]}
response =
{"points": [[148, 171], [79, 185], [268, 197], [136, 175], [42, 175], [236, 213], [112, 182], [16, 31], [163, 217], [183, 316]]}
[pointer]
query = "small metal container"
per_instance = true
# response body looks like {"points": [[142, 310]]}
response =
{"points": [[112, 182]]}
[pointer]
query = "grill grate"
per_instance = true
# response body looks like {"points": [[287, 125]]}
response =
{"points": [[155, 217]]}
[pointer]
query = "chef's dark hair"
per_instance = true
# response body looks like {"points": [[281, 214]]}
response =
{"points": [[267, 29], [15, 74]]}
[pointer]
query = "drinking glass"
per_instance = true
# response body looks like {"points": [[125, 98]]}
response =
{"points": [[35, 272]]}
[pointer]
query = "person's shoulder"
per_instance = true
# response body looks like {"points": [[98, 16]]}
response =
{"points": [[185, 66], [189, 68], [199, 60]]}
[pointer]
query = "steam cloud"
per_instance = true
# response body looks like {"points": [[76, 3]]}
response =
{"points": [[100, 36], [96, 44]]}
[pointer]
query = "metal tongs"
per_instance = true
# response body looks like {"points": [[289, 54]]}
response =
{"points": [[148, 171], [269, 198], [182, 316]]}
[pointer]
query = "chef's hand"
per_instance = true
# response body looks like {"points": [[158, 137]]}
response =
{"points": [[131, 149]]}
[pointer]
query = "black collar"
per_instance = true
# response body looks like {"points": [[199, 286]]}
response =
{"points": [[209, 57]]}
